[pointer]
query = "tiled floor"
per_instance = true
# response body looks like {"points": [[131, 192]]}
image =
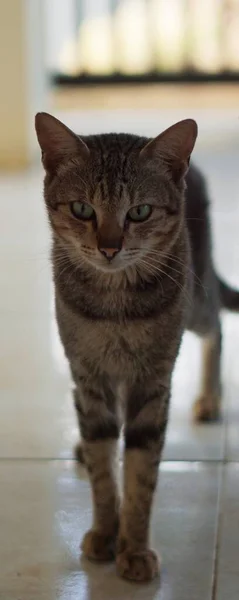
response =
{"points": [[44, 497]]}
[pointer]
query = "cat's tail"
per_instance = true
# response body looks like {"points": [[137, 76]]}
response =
{"points": [[229, 296]]}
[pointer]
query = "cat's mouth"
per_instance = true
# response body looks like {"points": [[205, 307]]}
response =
{"points": [[120, 262], [111, 266]]}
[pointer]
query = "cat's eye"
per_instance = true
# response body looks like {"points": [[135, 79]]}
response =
{"points": [[140, 212], [82, 210]]}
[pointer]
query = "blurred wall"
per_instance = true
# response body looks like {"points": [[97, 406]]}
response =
{"points": [[60, 27], [23, 79]]}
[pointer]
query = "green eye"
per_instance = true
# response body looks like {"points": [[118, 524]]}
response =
{"points": [[140, 212], [82, 210]]}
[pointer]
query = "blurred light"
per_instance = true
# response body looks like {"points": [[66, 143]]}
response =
{"points": [[136, 37], [231, 35], [68, 62], [204, 47], [168, 24], [95, 46], [134, 53]]}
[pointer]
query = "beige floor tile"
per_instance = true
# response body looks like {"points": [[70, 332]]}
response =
{"points": [[228, 562], [232, 425], [34, 426], [26, 285], [45, 509], [30, 352]]}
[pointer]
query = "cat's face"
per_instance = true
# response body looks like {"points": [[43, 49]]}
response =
{"points": [[112, 200], [111, 223]]}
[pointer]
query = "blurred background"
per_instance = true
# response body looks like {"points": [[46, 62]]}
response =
{"points": [[143, 40], [113, 54], [99, 66]]}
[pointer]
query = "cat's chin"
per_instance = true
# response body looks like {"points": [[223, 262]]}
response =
{"points": [[119, 276], [109, 268]]}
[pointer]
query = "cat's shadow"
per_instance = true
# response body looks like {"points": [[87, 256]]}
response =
{"points": [[104, 584]]}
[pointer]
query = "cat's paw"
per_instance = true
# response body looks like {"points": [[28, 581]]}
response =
{"points": [[79, 453], [207, 408], [138, 566], [98, 547]]}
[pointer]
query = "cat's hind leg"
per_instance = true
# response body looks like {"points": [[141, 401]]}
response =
{"points": [[208, 405], [79, 453]]}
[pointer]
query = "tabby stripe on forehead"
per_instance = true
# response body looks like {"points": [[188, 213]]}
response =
{"points": [[121, 190], [125, 160], [103, 191], [101, 156], [117, 144]]}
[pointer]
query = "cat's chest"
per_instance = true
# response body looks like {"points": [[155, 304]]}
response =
{"points": [[109, 302], [106, 345], [118, 331], [116, 347]]}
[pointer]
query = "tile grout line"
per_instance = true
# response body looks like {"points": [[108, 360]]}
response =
{"points": [[197, 461], [220, 505]]}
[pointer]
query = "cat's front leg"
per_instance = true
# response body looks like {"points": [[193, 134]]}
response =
{"points": [[146, 420], [98, 420]]}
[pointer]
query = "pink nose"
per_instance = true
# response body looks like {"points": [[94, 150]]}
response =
{"points": [[109, 253]]}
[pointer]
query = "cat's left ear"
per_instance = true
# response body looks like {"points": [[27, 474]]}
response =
{"points": [[173, 147], [57, 142]]}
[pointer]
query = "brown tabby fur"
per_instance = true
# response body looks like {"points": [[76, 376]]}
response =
{"points": [[121, 320]]}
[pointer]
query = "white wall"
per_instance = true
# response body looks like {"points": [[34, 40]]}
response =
{"points": [[23, 80], [60, 26]]}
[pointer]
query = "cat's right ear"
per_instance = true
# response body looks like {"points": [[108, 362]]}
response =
{"points": [[173, 147], [57, 142]]}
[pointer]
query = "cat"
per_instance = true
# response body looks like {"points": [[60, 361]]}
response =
{"points": [[132, 269]]}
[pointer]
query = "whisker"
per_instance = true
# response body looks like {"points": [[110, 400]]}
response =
{"points": [[160, 254], [151, 271], [198, 280], [164, 264], [161, 271]]}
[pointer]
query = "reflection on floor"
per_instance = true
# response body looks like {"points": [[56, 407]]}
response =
{"points": [[45, 498]]}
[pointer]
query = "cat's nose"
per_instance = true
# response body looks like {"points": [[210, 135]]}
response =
{"points": [[109, 253]]}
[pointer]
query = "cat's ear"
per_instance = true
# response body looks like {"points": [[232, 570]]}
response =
{"points": [[174, 147], [57, 142]]}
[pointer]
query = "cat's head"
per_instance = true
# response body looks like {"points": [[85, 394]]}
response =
{"points": [[112, 199]]}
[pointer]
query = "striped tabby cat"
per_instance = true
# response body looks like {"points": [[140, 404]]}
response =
{"points": [[132, 268]]}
